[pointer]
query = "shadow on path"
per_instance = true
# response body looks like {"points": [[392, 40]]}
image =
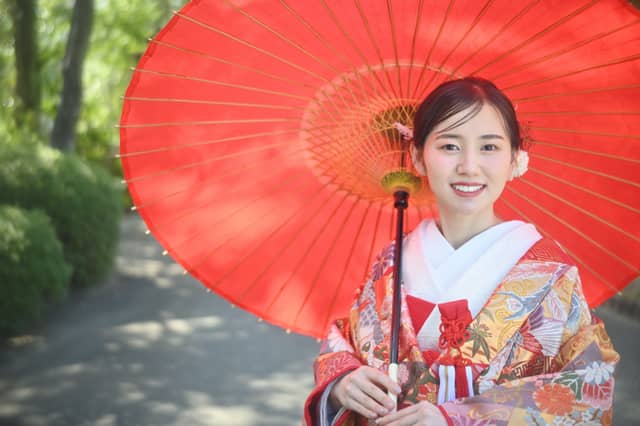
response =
{"points": [[152, 347]]}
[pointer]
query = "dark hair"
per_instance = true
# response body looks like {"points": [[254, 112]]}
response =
{"points": [[454, 96]]}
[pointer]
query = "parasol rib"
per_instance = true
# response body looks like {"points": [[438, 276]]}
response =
{"points": [[263, 242], [167, 148], [577, 92], [501, 31], [278, 228], [584, 169], [575, 72], [395, 44], [370, 256], [207, 123], [475, 22], [367, 27], [240, 170], [416, 29], [208, 161], [193, 237], [581, 210], [223, 84], [217, 103], [583, 132], [330, 47], [579, 113], [194, 208], [536, 36], [345, 34], [344, 269], [256, 71], [433, 45], [611, 254], [288, 41], [562, 51], [586, 151], [582, 188], [323, 262], [252, 46], [284, 247]]}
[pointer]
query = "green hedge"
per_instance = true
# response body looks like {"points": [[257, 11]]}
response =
{"points": [[32, 267], [83, 202]]}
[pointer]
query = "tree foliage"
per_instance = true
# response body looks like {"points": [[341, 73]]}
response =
{"points": [[121, 29]]}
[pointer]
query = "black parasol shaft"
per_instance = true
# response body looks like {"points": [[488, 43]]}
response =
{"points": [[401, 202]]}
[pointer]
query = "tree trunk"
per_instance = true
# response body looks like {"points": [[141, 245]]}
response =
{"points": [[63, 135], [28, 93]]}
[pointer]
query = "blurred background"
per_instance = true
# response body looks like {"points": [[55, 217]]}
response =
{"points": [[96, 326]]}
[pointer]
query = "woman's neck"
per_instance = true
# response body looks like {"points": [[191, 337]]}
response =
{"points": [[458, 229]]}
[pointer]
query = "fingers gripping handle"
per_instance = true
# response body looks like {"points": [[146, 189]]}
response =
{"points": [[393, 375]]}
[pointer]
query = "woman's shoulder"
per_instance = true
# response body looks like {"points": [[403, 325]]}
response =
{"points": [[548, 250]]}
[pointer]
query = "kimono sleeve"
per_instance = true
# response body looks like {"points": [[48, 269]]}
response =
{"points": [[573, 386], [337, 358]]}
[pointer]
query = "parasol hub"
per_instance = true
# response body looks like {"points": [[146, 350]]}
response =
{"points": [[401, 180]]}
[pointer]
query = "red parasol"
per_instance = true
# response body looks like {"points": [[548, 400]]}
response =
{"points": [[257, 137]]}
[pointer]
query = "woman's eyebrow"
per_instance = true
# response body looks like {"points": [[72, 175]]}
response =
{"points": [[487, 136], [448, 136], [492, 136]]}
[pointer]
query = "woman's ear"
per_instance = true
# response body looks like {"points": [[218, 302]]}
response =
{"points": [[418, 161]]}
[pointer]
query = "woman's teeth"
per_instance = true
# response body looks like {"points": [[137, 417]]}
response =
{"points": [[468, 188]]}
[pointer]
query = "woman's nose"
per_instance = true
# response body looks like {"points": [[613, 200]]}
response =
{"points": [[468, 164]]}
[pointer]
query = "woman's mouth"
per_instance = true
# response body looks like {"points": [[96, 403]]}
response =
{"points": [[467, 190]]}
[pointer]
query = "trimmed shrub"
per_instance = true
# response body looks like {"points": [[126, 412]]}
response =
{"points": [[32, 267], [82, 200]]}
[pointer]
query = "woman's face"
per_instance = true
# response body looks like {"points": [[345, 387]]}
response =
{"points": [[469, 165]]}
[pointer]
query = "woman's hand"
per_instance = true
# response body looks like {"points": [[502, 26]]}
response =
{"points": [[364, 391], [421, 414]]}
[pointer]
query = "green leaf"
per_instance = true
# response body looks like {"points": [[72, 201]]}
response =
{"points": [[485, 349], [573, 381]]}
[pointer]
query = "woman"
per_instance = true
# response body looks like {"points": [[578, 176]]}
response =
{"points": [[495, 328]]}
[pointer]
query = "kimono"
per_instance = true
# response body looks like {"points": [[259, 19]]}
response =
{"points": [[525, 350]]}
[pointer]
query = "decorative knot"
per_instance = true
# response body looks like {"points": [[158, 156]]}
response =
{"points": [[453, 333]]}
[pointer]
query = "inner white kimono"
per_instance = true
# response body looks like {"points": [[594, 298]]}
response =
{"points": [[435, 272]]}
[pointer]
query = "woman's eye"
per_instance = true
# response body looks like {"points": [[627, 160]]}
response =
{"points": [[489, 147], [449, 147]]}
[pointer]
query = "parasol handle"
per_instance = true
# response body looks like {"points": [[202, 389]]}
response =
{"points": [[401, 202], [393, 375]]}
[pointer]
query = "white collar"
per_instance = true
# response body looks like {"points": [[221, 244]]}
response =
{"points": [[432, 270]]}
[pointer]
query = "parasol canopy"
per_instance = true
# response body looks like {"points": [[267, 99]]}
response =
{"points": [[258, 137]]}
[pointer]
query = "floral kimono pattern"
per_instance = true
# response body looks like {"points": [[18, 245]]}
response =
{"points": [[538, 356]]}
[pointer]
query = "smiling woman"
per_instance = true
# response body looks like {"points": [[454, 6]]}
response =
{"points": [[468, 154], [495, 327]]}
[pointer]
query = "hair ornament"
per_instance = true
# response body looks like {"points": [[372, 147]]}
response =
{"points": [[405, 132], [522, 163]]}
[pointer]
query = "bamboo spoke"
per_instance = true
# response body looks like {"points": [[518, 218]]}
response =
{"points": [[536, 36], [581, 210], [583, 189], [584, 169], [586, 151], [345, 268], [568, 225]]}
